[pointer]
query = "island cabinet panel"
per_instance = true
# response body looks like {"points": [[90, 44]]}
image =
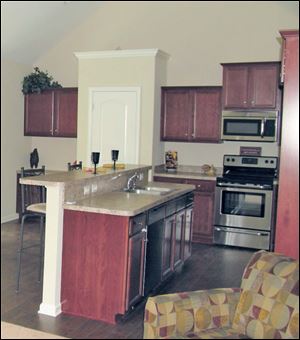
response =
{"points": [[94, 265]]}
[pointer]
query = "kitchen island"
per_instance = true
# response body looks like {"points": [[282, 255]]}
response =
{"points": [[86, 194]]}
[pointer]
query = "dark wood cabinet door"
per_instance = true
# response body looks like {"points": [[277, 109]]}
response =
{"points": [[179, 236], [251, 86], [187, 240], [52, 113], [38, 114], [65, 124], [235, 86], [203, 217], [177, 107], [207, 114], [136, 266], [263, 85], [168, 246]]}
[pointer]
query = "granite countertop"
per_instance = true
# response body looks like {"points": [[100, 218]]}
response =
{"points": [[187, 171], [61, 177], [128, 204]]}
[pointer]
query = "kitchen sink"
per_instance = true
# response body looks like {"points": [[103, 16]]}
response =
{"points": [[150, 190]]}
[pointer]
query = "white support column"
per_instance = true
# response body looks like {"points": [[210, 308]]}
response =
{"points": [[51, 304]]}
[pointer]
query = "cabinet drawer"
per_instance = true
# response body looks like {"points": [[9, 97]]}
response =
{"points": [[156, 214], [137, 224], [168, 179], [170, 208], [202, 185], [181, 203]]}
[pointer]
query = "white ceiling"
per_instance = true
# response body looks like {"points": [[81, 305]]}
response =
{"points": [[30, 28]]}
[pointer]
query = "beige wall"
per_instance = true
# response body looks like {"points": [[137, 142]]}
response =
{"points": [[198, 35], [118, 72], [15, 148]]}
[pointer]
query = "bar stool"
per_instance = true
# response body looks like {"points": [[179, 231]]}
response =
{"points": [[32, 208], [75, 166]]}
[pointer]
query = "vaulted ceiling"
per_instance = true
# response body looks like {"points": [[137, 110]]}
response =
{"points": [[30, 28]]}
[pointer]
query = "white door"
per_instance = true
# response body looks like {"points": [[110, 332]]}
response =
{"points": [[114, 124]]}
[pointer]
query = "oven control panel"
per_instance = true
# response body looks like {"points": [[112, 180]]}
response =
{"points": [[250, 161]]}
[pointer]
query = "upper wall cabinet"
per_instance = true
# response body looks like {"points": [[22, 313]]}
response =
{"points": [[251, 86], [52, 113], [191, 114]]}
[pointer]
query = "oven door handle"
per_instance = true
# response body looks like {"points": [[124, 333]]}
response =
{"points": [[262, 128], [242, 232], [243, 188], [221, 184]]}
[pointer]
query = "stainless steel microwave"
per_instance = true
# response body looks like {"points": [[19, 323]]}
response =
{"points": [[254, 126]]}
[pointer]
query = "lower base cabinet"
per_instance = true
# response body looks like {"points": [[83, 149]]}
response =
{"points": [[203, 216], [104, 261]]}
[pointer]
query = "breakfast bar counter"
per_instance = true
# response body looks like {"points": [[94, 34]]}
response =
{"points": [[122, 203]]}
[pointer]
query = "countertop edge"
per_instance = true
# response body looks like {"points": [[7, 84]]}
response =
{"points": [[119, 212], [186, 176]]}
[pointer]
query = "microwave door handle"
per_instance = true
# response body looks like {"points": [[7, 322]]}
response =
{"points": [[262, 128]]}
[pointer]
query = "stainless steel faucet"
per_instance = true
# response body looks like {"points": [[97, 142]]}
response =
{"points": [[131, 183]]}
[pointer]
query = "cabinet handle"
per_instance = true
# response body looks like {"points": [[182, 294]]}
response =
{"points": [[252, 102], [245, 102]]}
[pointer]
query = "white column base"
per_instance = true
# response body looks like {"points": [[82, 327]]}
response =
{"points": [[50, 310]]}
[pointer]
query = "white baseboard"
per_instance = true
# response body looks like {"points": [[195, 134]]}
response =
{"points": [[50, 310], [9, 218]]}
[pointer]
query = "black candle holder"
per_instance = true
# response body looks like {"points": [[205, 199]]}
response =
{"points": [[114, 157], [95, 160]]}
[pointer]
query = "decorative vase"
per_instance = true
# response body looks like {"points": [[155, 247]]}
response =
{"points": [[34, 158]]}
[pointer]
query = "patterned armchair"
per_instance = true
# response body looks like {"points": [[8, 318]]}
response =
{"points": [[266, 306]]}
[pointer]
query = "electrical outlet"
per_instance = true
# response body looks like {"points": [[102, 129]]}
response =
{"points": [[94, 187], [86, 190], [141, 176]]}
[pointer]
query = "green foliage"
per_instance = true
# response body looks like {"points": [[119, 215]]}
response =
{"points": [[38, 81]]}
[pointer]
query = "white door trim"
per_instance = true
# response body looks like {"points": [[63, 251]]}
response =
{"points": [[92, 91]]}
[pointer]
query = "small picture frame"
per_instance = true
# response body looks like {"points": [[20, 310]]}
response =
{"points": [[171, 160]]}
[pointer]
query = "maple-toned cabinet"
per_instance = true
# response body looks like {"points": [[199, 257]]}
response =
{"points": [[204, 210], [51, 113], [191, 114], [202, 215], [136, 260], [287, 222], [251, 86]]}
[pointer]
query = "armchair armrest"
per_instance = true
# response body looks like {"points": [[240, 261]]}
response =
{"points": [[173, 315]]}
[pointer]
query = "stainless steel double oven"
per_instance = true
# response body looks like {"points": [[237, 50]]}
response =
{"points": [[245, 202]]}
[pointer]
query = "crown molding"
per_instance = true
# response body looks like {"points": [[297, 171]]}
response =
{"points": [[121, 54]]}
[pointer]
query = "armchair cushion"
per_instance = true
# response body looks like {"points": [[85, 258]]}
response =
{"points": [[269, 303], [174, 315], [265, 307]]}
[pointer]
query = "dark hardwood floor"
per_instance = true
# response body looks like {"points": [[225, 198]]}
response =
{"points": [[209, 267]]}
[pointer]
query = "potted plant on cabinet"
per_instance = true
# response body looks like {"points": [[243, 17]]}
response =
{"points": [[38, 81]]}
